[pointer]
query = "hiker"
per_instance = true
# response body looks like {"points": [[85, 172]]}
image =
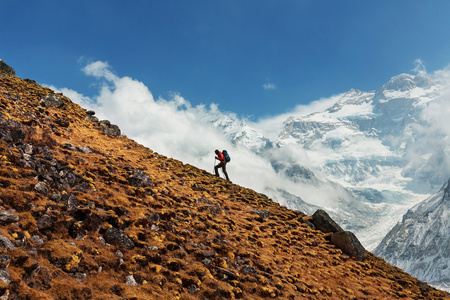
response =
{"points": [[222, 164]]}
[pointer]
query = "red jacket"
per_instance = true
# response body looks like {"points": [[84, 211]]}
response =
{"points": [[221, 157]]}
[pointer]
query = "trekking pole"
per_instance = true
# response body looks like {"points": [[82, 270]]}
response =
{"points": [[214, 168]]}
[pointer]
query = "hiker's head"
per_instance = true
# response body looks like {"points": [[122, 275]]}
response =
{"points": [[217, 152]]}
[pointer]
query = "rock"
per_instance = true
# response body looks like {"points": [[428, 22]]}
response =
{"points": [[248, 269], [263, 214], [68, 176], [56, 197], [349, 244], [323, 222], [119, 254], [62, 123], [7, 217], [92, 118], [27, 148], [37, 239], [113, 130], [192, 289], [69, 147], [79, 276], [41, 188], [4, 275], [6, 69], [53, 100], [139, 179], [5, 260], [344, 240], [131, 280], [115, 237], [6, 244], [209, 253], [82, 187], [33, 82], [155, 217], [70, 200], [109, 128], [85, 149], [230, 274], [90, 112], [102, 240], [45, 222]]}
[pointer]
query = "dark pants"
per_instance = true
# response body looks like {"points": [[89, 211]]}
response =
{"points": [[224, 169]]}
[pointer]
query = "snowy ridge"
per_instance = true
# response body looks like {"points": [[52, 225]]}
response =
{"points": [[420, 243]]}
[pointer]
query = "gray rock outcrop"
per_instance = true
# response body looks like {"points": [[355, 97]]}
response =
{"points": [[4, 68]]}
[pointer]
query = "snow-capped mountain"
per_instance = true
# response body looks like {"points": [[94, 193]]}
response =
{"points": [[420, 243], [239, 133], [364, 138], [376, 154]]}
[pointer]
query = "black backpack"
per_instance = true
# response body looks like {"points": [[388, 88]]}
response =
{"points": [[227, 156]]}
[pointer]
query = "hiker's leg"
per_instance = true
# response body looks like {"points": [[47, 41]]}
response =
{"points": [[225, 172], [216, 169]]}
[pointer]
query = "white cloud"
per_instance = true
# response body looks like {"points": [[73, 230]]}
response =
{"points": [[269, 86], [419, 66], [175, 128], [172, 127]]}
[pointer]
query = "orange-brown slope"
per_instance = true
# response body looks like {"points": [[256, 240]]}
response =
{"points": [[85, 215]]}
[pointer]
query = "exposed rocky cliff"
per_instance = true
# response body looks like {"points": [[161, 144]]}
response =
{"points": [[420, 243], [87, 213]]}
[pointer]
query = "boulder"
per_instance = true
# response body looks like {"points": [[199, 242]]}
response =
{"points": [[109, 129], [53, 100], [323, 222], [349, 244], [344, 240]]}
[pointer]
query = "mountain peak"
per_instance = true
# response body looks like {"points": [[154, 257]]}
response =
{"points": [[406, 82]]}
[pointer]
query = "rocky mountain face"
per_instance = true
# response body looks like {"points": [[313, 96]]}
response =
{"points": [[87, 213], [420, 243]]}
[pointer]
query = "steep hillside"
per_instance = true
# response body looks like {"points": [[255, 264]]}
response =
{"points": [[87, 213]]}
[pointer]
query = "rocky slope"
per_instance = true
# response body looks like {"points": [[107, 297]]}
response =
{"points": [[87, 213]]}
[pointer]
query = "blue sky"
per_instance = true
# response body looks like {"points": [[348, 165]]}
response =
{"points": [[255, 58]]}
